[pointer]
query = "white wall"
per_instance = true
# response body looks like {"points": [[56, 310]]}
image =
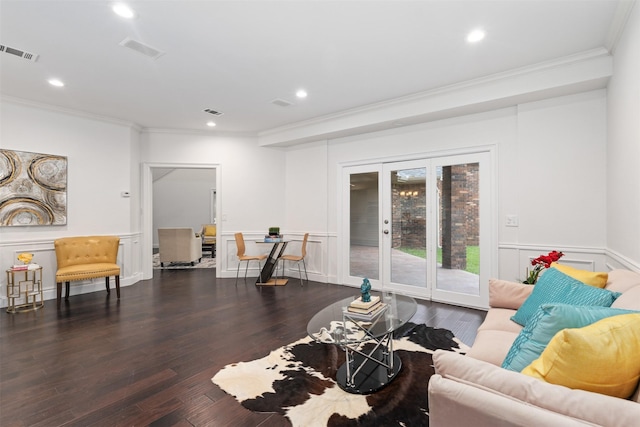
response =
{"points": [[182, 198], [549, 166], [561, 175], [306, 209], [100, 154], [250, 186], [623, 149]]}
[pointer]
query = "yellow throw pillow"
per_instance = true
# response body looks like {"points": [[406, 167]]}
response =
{"points": [[601, 357], [591, 278], [209, 230]]}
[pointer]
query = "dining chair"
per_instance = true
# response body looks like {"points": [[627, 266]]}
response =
{"points": [[247, 258], [297, 259]]}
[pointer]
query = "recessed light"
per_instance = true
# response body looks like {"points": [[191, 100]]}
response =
{"points": [[123, 10], [56, 82], [211, 124], [475, 36], [301, 93]]}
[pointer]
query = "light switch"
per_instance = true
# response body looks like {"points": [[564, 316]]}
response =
{"points": [[512, 221]]}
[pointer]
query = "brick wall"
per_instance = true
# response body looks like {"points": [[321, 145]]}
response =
{"points": [[459, 213], [459, 210]]}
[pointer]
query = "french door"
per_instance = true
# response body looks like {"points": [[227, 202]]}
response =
{"points": [[420, 227]]}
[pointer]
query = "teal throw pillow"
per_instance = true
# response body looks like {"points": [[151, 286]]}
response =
{"points": [[555, 286], [548, 320]]}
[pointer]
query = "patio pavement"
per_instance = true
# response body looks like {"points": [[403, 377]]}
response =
{"points": [[413, 270]]}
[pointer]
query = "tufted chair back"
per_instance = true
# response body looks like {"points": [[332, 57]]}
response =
{"points": [[85, 258], [86, 250]]}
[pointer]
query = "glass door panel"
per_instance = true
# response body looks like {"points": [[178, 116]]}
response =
{"points": [[462, 228], [458, 233], [420, 227], [405, 227], [364, 225]]}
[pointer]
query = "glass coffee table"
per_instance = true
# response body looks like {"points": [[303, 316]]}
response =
{"points": [[368, 343]]}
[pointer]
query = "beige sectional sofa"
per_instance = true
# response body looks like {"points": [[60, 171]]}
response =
{"points": [[473, 390]]}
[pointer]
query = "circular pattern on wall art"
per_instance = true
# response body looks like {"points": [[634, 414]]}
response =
{"points": [[49, 172], [33, 189], [25, 211], [9, 166]]}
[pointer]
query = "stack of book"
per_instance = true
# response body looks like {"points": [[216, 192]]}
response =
{"points": [[24, 267], [366, 310]]}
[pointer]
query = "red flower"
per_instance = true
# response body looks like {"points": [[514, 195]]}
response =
{"points": [[543, 261]]}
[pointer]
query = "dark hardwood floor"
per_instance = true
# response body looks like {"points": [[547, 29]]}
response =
{"points": [[148, 358]]}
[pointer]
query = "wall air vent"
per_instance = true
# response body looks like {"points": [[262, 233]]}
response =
{"points": [[214, 112], [19, 53], [142, 48], [281, 102]]}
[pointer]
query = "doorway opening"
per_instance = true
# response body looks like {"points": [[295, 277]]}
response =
{"points": [[177, 195]]}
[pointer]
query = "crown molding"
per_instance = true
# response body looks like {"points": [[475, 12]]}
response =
{"points": [[510, 74], [618, 23], [439, 102], [70, 111], [132, 125], [214, 133]]}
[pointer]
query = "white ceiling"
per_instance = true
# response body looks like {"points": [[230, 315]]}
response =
{"points": [[238, 56]]}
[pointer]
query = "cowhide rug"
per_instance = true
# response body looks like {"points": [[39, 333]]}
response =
{"points": [[298, 381], [205, 262]]}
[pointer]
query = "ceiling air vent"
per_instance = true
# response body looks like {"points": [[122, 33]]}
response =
{"points": [[281, 102], [214, 112], [142, 48], [19, 53]]}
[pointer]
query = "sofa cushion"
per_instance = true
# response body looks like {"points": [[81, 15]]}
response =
{"points": [[629, 300], [492, 346], [601, 357], [622, 280], [456, 404], [506, 294], [555, 286], [548, 320], [499, 319], [518, 389], [592, 278]]}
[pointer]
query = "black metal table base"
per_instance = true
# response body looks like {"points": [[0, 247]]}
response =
{"points": [[372, 376], [270, 265]]}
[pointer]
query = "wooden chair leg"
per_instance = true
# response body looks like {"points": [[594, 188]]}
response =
{"points": [[107, 284], [59, 292], [66, 298], [118, 286]]}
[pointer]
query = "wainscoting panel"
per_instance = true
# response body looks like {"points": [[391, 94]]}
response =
{"points": [[45, 256]]}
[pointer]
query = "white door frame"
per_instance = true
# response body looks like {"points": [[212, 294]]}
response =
{"points": [[488, 266], [487, 248], [146, 215]]}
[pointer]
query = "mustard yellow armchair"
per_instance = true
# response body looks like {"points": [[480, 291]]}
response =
{"points": [[86, 257], [208, 234]]}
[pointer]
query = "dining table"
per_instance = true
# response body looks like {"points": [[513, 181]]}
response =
{"points": [[266, 274]]}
